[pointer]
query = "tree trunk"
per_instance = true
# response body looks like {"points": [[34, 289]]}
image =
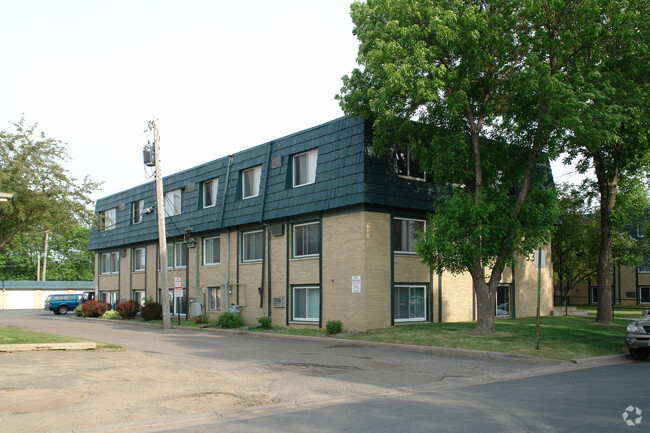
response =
{"points": [[485, 301], [608, 186]]}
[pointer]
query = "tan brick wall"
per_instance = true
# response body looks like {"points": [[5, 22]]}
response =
{"points": [[526, 283]]}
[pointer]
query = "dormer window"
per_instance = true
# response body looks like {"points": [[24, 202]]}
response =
{"points": [[210, 192], [108, 220], [251, 182], [174, 202], [136, 211], [304, 168], [406, 164]]}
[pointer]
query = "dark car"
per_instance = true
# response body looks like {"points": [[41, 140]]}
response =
{"points": [[637, 337], [61, 304]]}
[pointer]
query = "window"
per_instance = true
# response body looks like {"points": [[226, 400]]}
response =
{"points": [[406, 164], [136, 211], [306, 304], [645, 265], [138, 296], [593, 295], [253, 246], [306, 240], [304, 168], [644, 295], [139, 259], [108, 220], [503, 301], [251, 182], [405, 233], [410, 303], [109, 263], [174, 202], [214, 301], [176, 255], [211, 251], [210, 192]]}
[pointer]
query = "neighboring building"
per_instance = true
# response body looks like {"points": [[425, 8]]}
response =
{"points": [[307, 228], [19, 295], [630, 286]]}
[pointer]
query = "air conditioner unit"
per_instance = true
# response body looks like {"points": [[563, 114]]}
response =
{"points": [[278, 302], [277, 229]]}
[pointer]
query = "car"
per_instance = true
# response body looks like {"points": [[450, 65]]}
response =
{"points": [[61, 304], [637, 337]]}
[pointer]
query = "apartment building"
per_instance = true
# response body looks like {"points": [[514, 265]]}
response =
{"points": [[304, 229]]}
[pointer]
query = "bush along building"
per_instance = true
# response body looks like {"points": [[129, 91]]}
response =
{"points": [[304, 229]]}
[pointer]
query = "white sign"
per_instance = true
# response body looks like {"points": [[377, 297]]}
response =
{"points": [[536, 259], [177, 283], [356, 283], [178, 292]]}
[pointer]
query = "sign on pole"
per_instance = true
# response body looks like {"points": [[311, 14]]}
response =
{"points": [[178, 287]]}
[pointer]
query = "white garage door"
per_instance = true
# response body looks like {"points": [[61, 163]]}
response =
{"points": [[20, 299]]}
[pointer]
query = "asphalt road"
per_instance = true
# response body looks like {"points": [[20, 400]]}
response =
{"points": [[420, 391]]}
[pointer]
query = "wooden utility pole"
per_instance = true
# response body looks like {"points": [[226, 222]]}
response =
{"points": [[47, 236], [162, 236]]}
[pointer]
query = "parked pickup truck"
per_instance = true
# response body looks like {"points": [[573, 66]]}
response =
{"points": [[61, 304]]}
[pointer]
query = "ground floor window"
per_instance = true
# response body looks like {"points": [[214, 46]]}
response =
{"points": [[644, 295], [177, 306], [410, 303], [214, 301], [503, 301], [306, 304], [138, 296], [108, 297], [593, 295]]}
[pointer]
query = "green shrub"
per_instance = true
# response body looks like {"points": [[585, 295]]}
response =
{"points": [[333, 327], [265, 322], [230, 320], [79, 310], [151, 311], [148, 300], [94, 308], [128, 309], [111, 314]]}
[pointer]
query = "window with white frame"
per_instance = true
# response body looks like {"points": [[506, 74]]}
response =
{"points": [[139, 259], [407, 166], [304, 168], [109, 263], [214, 300], [136, 211], [405, 233], [211, 250], [253, 246], [644, 295], [306, 303], [645, 265], [108, 218], [174, 202], [410, 303], [210, 192], [176, 255], [306, 239], [251, 182], [138, 296]]}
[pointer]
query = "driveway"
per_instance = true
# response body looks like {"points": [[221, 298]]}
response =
{"points": [[166, 379]]}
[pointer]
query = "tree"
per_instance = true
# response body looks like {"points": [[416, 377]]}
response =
{"points": [[45, 198], [485, 80], [611, 132], [68, 256]]}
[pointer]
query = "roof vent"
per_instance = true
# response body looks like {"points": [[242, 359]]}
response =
{"points": [[278, 302], [277, 229], [276, 162]]}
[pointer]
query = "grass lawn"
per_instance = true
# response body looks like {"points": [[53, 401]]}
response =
{"points": [[20, 336], [631, 311], [560, 337]]}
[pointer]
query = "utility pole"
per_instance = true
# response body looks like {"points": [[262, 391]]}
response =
{"points": [[162, 236], [47, 236]]}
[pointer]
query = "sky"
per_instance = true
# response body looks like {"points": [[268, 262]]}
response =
{"points": [[220, 75]]}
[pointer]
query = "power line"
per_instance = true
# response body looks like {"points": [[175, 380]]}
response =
{"points": [[110, 155]]}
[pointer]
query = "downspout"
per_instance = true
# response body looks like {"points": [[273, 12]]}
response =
{"points": [[320, 269], [392, 273], [287, 288], [264, 235], [513, 294], [227, 269], [196, 281], [439, 297], [268, 261], [223, 207], [225, 192]]}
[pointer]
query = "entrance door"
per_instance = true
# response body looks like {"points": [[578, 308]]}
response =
{"points": [[177, 306]]}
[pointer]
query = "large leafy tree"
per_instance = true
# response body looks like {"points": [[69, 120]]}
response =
{"points": [[44, 197], [611, 132], [485, 80]]}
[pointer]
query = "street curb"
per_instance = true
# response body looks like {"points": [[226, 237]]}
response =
{"points": [[82, 345], [437, 350]]}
